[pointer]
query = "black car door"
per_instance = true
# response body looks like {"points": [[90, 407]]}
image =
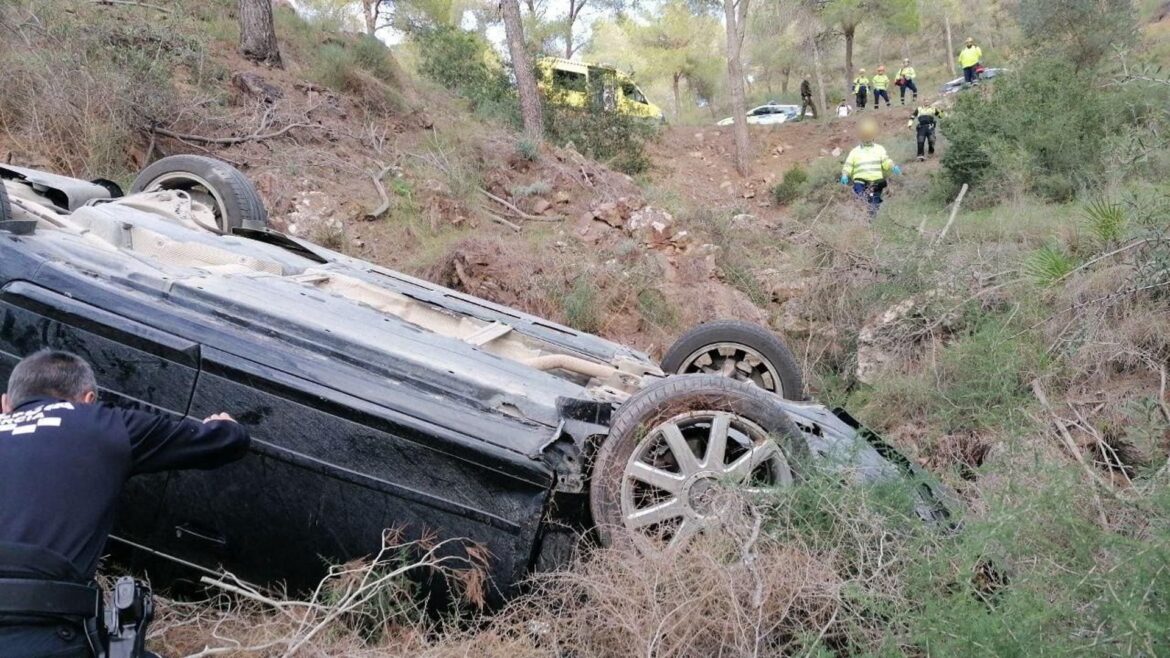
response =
{"points": [[136, 366], [327, 474]]}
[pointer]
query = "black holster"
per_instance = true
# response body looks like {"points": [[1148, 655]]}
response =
{"points": [[38, 586], [129, 610]]}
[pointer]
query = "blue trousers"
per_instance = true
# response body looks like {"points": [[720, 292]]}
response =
{"points": [[871, 193], [912, 87], [969, 74]]}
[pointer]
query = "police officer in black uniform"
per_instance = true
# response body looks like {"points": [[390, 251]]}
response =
{"points": [[925, 120], [63, 460]]}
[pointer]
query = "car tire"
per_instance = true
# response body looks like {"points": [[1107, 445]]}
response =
{"points": [[756, 428], [235, 200], [775, 372]]}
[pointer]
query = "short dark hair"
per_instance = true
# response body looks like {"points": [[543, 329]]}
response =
{"points": [[50, 374]]}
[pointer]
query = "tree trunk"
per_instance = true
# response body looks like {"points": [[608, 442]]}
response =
{"points": [[575, 7], [674, 87], [816, 48], [258, 32], [530, 113], [784, 80], [370, 14], [950, 45], [735, 12], [849, 58]]}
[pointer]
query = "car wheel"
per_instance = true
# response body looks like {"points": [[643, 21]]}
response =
{"points": [[675, 447], [739, 350], [110, 186], [215, 183]]}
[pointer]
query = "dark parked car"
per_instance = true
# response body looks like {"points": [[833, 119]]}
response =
{"points": [[377, 400]]}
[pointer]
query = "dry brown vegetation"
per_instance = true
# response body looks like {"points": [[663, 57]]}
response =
{"points": [[941, 344]]}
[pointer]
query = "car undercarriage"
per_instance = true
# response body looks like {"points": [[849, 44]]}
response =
{"points": [[378, 400]]}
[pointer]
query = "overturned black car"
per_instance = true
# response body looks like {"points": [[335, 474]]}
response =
{"points": [[377, 400]]}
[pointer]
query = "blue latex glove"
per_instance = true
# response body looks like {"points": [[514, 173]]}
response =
{"points": [[897, 170], [844, 179]]}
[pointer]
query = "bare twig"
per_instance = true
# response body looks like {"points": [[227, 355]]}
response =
{"points": [[517, 212], [951, 219], [1071, 446], [131, 3], [1092, 261], [500, 220], [227, 141]]}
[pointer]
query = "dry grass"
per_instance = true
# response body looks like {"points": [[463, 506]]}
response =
{"points": [[741, 593], [358, 606]]}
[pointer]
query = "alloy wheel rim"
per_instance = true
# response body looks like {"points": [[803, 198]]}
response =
{"points": [[674, 482], [737, 361]]}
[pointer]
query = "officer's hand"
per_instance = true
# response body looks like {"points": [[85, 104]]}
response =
{"points": [[219, 416], [844, 179]]}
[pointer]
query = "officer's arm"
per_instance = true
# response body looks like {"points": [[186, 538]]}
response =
{"points": [[159, 443]]}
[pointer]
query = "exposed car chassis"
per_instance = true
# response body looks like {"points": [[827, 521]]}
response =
{"points": [[377, 400]]}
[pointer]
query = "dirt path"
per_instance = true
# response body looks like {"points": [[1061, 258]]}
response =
{"points": [[694, 162]]}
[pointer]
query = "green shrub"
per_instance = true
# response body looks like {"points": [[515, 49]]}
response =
{"points": [[1107, 220], [335, 67], [528, 150], [1035, 126], [538, 188], [615, 139], [656, 309], [1049, 264], [791, 187], [465, 63], [372, 55], [582, 306]]}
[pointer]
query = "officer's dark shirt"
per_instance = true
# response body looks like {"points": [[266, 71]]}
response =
{"points": [[62, 467]]}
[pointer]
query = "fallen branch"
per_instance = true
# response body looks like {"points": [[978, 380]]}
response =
{"points": [[131, 3], [1079, 305], [951, 219], [500, 220], [1092, 261], [1070, 445], [228, 141], [385, 205], [517, 212]]}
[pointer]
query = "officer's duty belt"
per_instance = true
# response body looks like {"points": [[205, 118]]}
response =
{"points": [[48, 598]]}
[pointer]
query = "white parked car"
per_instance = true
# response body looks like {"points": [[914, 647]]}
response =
{"points": [[769, 114], [957, 85]]}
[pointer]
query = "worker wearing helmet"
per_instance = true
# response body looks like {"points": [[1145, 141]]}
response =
{"points": [[861, 88], [905, 80], [969, 58], [867, 166], [925, 121], [881, 86]]}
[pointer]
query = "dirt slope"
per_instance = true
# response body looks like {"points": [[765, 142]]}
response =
{"points": [[694, 162]]}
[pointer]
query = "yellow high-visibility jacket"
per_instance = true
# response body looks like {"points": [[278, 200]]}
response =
{"points": [[867, 162], [907, 72], [881, 81], [859, 82], [970, 56]]}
